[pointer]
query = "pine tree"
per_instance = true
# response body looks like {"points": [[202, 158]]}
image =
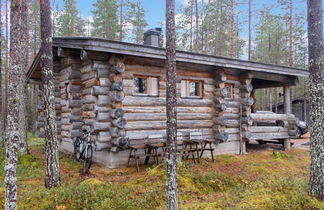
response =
{"points": [[52, 168], [23, 146], [14, 99], [136, 18], [316, 67], [171, 107], [34, 25], [70, 23], [105, 19]]}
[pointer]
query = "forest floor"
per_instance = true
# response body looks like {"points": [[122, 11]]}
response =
{"points": [[263, 179]]}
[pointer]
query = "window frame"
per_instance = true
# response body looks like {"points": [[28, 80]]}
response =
{"points": [[148, 86], [231, 86], [187, 90]]}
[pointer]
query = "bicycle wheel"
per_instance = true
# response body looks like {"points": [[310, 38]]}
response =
{"points": [[87, 158], [77, 148]]}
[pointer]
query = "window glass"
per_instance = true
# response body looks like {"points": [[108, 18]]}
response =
{"points": [[191, 88], [139, 85]]}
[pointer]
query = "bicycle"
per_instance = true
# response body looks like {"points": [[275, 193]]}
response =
{"points": [[83, 149]]}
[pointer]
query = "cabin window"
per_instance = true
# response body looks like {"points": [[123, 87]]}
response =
{"points": [[191, 88], [229, 90], [145, 85]]}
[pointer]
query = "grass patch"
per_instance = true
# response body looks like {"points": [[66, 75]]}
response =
{"points": [[264, 180]]}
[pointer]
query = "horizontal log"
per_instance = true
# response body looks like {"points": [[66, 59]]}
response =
{"points": [[154, 101], [221, 129], [162, 116], [103, 100], [75, 118], [103, 116], [104, 82], [104, 136], [229, 115], [142, 134], [113, 77], [97, 108], [160, 109], [76, 111], [265, 117], [266, 129], [220, 121], [88, 107], [100, 146], [74, 103], [88, 114], [98, 90], [76, 133], [181, 124], [268, 136], [89, 99], [101, 126], [103, 72]]}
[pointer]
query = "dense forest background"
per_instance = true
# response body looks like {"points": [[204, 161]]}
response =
{"points": [[276, 33]]}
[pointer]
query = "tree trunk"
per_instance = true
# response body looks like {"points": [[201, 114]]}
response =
{"points": [[250, 19], [316, 67], [52, 170], [208, 27], [23, 146], [171, 107], [13, 135], [231, 30], [121, 21], [197, 29], [6, 69], [1, 89]]}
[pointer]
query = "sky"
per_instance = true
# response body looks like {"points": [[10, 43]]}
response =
{"points": [[155, 9]]}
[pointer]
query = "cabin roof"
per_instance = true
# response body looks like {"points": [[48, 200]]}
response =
{"points": [[151, 52]]}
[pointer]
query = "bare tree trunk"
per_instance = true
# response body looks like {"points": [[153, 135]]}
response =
{"points": [[231, 30], [6, 68], [171, 106], [290, 33], [191, 33], [316, 67], [197, 28], [121, 21], [250, 16], [13, 135], [23, 147], [1, 88], [208, 27], [52, 169]]}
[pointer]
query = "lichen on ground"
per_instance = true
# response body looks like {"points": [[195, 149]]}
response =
{"points": [[261, 180]]}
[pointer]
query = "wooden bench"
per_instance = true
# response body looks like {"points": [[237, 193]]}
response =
{"points": [[205, 148], [134, 146], [192, 145], [154, 143]]}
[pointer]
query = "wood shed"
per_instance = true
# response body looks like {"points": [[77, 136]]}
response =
{"points": [[119, 89]]}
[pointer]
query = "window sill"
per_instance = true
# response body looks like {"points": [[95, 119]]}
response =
{"points": [[143, 95], [192, 97]]}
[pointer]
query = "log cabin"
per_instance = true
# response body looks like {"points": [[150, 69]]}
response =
{"points": [[119, 89]]}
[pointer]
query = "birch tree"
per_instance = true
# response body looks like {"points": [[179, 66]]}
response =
{"points": [[52, 169], [316, 67], [13, 135], [171, 107]]}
